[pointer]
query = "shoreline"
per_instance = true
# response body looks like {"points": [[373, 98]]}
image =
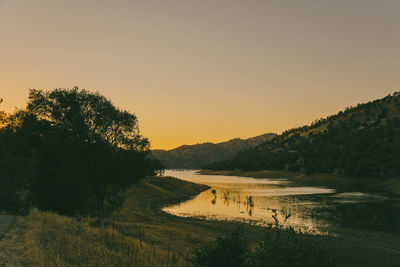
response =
{"points": [[346, 246], [342, 184], [141, 220]]}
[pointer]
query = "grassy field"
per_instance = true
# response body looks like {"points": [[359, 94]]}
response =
{"points": [[140, 234], [143, 235]]}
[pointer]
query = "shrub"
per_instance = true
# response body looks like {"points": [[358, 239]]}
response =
{"points": [[278, 247], [287, 248], [229, 251]]}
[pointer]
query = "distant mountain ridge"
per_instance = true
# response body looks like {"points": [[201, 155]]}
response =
{"points": [[359, 141], [199, 155]]}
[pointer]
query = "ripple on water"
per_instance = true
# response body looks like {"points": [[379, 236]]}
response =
{"points": [[253, 200]]}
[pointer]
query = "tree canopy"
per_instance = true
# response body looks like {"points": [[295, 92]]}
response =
{"points": [[81, 151], [89, 117]]}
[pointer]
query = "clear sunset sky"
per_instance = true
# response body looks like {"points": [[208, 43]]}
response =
{"points": [[204, 70]]}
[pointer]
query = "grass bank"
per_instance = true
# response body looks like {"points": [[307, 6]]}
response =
{"points": [[142, 235], [139, 235]]}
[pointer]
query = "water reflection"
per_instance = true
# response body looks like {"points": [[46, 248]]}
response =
{"points": [[268, 201]]}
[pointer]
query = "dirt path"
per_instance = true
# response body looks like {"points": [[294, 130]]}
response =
{"points": [[6, 222], [11, 241]]}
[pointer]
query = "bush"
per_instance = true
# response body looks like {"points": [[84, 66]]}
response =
{"points": [[278, 247], [287, 248], [293, 168], [229, 251]]}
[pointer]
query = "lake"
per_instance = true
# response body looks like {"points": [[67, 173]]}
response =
{"points": [[263, 201]]}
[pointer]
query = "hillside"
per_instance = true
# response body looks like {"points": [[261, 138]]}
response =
{"points": [[359, 141], [199, 155]]}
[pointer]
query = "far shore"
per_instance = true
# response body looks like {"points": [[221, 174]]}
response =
{"points": [[340, 183]]}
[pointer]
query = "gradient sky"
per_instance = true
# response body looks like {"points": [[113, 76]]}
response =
{"points": [[204, 70]]}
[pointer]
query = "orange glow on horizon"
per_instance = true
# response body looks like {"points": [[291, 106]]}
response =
{"points": [[204, 71]]}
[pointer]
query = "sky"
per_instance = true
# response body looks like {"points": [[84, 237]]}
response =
{"points": [[210, 70]]}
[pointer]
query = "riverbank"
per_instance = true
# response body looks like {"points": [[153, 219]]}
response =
{"points": [[340, 183], [143, 234], [139, 235]]}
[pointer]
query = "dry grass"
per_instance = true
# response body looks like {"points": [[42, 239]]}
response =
{"points": [[54, 240], [142, 235]]}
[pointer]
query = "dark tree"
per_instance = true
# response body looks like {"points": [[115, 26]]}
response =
{"points": [[14, 167], [89, 152], [3, 117]]}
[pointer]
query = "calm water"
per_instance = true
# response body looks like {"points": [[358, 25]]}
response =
{"points": [[311, 209]]}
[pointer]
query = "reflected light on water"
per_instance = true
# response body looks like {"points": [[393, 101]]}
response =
{"points": [[312, 209], [250, 200]]}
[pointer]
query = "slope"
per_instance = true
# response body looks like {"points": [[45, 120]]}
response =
{"points": [[359, 141]]}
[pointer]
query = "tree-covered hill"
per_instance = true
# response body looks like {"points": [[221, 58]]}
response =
{"points": [[197, 156], [359, 141]]}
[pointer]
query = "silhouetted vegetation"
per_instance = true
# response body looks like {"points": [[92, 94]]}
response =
{"points": [[71, 151], [278, 247], [229, 251], [361, 141], [75, 153], [197, 156]]}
